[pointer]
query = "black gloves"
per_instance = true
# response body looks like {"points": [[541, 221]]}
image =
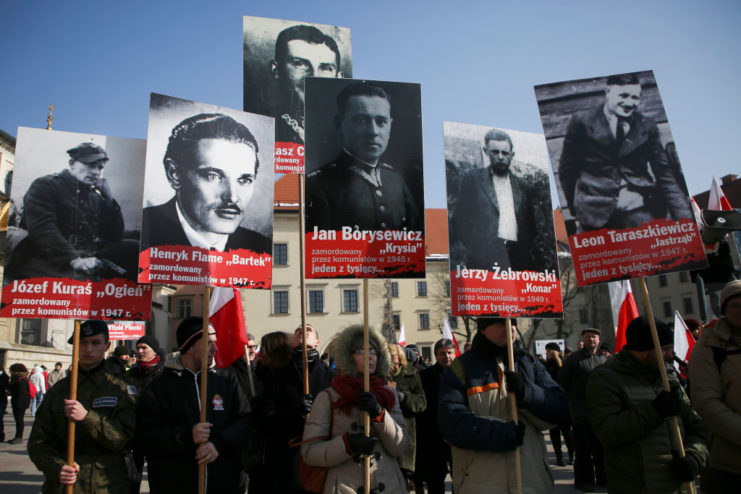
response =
{"points": [[306, 402], [359, 444], [666, 404], [515, 384], [684, 469], [368, 403], [520, 433], [515, 433]]}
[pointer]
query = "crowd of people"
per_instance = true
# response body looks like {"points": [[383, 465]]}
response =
{"points": [[264, 433]]}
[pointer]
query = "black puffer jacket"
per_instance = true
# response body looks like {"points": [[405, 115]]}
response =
{"points": [[167, 412]]}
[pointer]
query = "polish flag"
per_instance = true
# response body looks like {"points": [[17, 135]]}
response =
{"points": [[227, 318], [717, 200], [402, 336], [448, 335], [624, 309], [683, 339]]}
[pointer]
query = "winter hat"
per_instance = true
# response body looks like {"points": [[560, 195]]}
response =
{"points": [[484, 322], [120, 351], [731, 290], [189, 331], [553, 346], [347, 342], [591, 330], [151, 341], [638, 335], [91, 328]]}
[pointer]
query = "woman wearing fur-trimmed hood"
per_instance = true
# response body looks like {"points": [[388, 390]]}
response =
{"points": [[333, 436]]}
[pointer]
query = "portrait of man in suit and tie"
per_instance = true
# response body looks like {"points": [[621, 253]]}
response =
{"points": [[614, 170], [499, 214], [211, 164]]}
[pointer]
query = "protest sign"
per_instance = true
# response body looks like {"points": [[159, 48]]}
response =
{"points": [[364, 187], [208, 196], [502, 243], [278, 56], [621, 187], [73, 232]]}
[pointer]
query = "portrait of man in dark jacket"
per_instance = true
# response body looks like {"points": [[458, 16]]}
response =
{"points": [[614, 170], [74, 225]]}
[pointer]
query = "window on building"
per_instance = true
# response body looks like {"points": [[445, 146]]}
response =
{"points": [[662, 280], [446, 288], [316, 301], [453, 321], [185, 307], [397, 321], [426, 352], [421, 288], [350, 300], [280, 254], [29, 332], [583, 315], [424, 320], [394, 289], [280, 302], [668, 312], [688, 309], [684, 276]]}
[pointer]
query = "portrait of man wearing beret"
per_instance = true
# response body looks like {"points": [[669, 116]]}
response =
{"points": [[74, 224]]}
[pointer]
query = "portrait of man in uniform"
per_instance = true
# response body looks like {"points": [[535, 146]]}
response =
{"points": [[299, 50], [69, 224], [359, 188], [613, 169], [501, 214], [211, 163]]}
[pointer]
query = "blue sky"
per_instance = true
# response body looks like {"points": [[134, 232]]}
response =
{"points": [[477, 62]]}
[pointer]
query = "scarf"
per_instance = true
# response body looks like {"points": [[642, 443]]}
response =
{"points": [[151, 363], [350, 387]]}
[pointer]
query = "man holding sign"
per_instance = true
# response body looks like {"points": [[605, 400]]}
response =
{"points": [[475, 418], [105, 417]]}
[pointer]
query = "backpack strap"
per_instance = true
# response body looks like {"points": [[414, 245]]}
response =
{"points": [[720, 354]]}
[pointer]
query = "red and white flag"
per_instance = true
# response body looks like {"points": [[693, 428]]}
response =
{"points": [[624, 309], [227, 318], [717, 200], [683, 339], [402, 336], [448, 335]]}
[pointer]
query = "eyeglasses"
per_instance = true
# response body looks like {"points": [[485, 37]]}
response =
{"points": [[360, 351]]}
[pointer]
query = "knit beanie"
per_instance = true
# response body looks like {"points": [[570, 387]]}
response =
{"points": [[638, 334]]}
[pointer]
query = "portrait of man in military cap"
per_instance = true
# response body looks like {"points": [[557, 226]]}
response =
{"points": [[70, 223], [368, 174]]}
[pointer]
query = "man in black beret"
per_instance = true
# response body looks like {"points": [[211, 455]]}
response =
{"points": [[104, 416], [75, 226], [629, 411]]}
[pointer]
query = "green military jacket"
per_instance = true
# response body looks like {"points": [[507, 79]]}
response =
{"points": [[102, 438], [412, 402]]}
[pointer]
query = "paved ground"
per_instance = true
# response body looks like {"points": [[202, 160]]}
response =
{"points": [[19, 476]]}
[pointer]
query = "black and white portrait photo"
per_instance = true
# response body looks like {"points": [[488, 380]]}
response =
{"points": [[76, 202], [364, 155], [209, 177], [499, 203], [278, 56], [612, 152]]}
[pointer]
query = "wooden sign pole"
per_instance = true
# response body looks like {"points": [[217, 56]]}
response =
{"points": [[73, 396], [204, 377], [513, 402]]}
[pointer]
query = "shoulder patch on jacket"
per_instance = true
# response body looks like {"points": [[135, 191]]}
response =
{"points": [[105, 402]]}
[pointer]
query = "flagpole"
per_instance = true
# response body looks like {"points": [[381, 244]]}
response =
{"points": [[674, 423], [204, 377], [72, 396], [366, 383], [513, 402], [302, 282]]}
